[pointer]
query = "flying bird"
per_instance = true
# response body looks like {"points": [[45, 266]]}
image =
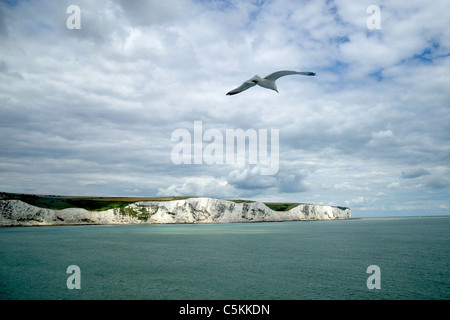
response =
{"points": [[268, 82]]}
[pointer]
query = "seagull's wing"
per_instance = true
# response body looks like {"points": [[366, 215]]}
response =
{"points": [[247, 84], [274, 76]]}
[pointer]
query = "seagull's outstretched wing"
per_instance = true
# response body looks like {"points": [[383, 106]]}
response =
{"points": [[247, 84], [274, 76]]}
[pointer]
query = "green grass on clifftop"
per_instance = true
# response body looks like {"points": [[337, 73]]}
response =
{"points": [[104, 203]]}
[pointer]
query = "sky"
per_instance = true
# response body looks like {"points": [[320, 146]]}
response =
{"points": [[90, 103]]}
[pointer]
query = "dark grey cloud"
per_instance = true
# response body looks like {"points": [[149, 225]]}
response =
{"points": [[292, 183], [438, 182], [8, 73], [414, 173], [151, 12]]}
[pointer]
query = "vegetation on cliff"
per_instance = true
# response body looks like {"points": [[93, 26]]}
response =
{"points": [[56, 202]]}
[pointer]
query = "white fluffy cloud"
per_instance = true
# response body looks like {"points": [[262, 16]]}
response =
{"points": [[91, 111]]}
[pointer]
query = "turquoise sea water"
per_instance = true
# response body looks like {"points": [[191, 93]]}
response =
{"points": [[250, 261]]}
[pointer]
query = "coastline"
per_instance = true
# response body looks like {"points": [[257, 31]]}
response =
{"points": [[186, 211]]}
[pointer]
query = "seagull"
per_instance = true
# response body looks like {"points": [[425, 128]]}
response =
{"points": [[268, 82]]}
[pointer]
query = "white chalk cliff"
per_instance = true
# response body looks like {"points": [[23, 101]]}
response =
{"points": [[192, 210]]}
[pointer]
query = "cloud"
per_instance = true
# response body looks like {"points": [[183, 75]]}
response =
{"points": [[383, 137], [149, 12], [292, 183], [439, 182], [4, 70], [383, 134], [414, 173], [203, 186], [394, 185], [250, 178]]}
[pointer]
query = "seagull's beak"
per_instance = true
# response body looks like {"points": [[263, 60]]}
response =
{"points": [[277, 91]]}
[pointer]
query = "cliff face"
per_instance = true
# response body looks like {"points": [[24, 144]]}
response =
{"points": [[192, 210]]}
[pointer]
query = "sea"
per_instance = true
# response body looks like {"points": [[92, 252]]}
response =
{"points": [[403, 258]]}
